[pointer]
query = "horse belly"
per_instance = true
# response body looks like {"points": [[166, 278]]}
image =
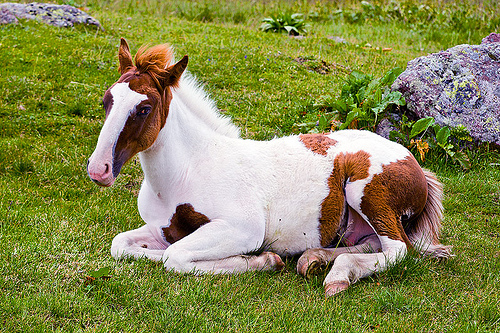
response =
{"points": [[294, 209], [290, 235]]}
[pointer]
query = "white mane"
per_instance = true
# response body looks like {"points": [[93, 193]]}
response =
{"points": [[192, 94]]}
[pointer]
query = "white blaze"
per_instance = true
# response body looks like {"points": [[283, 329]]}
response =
{"points": [[125, 101]]}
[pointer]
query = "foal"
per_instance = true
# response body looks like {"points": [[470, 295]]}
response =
{"points": [[209, 197]]}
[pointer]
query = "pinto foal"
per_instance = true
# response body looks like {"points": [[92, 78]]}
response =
{"points": [[209, 197]]}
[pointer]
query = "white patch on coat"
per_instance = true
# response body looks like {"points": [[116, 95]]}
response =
{"points": [[250, 183], [125, 101]]}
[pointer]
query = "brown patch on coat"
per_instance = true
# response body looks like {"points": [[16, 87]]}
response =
{"points": [[352, 166], [107, 101], [317, 143], [356, 165], [399, 190], [184, 221], [333, 206]]}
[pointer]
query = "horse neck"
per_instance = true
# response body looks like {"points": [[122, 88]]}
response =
{"points": [[191, 126]]}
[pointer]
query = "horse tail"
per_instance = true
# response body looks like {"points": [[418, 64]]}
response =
{"points": [[424, 235]]}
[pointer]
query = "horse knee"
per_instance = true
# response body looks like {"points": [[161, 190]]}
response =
{"points": [[136, 244], [120, 246], [177, 261]]}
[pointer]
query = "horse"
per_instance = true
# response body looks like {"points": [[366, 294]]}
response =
{"points": [[213, 202]]}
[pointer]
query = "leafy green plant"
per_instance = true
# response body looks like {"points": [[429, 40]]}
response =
{"points": [[448, 141], [293, 24], [362, 102], [101, 273], [424, 137]]}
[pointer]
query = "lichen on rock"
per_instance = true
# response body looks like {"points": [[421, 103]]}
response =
{"points": [[459, 86]]}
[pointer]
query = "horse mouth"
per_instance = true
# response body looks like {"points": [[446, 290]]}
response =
{"points": [[107, 182], [104, 183]]}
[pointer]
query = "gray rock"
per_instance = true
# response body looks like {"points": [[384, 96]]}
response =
{"points": [[6, 17], [385, 127], [56, 15], [459, 86]]}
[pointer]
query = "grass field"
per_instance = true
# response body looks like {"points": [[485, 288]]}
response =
{"points": [[56, 226]]}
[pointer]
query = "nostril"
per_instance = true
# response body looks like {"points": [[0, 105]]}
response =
{"points": [[107, 168], [100, 170]]}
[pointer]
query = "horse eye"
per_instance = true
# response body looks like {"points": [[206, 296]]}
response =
{"points": [[143, 111]]}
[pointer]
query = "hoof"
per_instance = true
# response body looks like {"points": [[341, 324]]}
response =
{"points": [[309, 265], [274, 261], [335, 288], [314, 268]]}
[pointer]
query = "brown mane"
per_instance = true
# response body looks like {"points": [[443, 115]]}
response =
{"points": [[153, 61]]}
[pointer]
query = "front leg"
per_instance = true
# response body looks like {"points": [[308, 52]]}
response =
{"points": [[137, 243], [220, 247]]}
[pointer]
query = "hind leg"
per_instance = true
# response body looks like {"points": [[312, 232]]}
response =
{"points": [[358, 236], [382, 216], [349, 267], [314, 260]]}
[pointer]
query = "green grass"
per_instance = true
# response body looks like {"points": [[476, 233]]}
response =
{"points": [[56, 226]]}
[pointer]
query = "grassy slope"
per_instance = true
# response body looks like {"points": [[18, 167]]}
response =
{"points": [[56, 225]]}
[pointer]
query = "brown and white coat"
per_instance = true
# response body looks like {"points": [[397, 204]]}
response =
{"points": [[209, 197]]}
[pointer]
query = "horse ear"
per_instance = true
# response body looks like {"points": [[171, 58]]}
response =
{"points": [[124, 57], [174, 73]]}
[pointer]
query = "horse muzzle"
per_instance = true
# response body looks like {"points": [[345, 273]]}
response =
{"points": [[100, 172]]}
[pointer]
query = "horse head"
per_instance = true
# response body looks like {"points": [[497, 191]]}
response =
{"points": [[136, 107]]}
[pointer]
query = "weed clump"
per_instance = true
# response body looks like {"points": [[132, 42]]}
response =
{"points": [[293, 24]]}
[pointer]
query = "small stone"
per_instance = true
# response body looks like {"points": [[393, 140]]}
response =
{"points": [[337, 39], [56, 15]]}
